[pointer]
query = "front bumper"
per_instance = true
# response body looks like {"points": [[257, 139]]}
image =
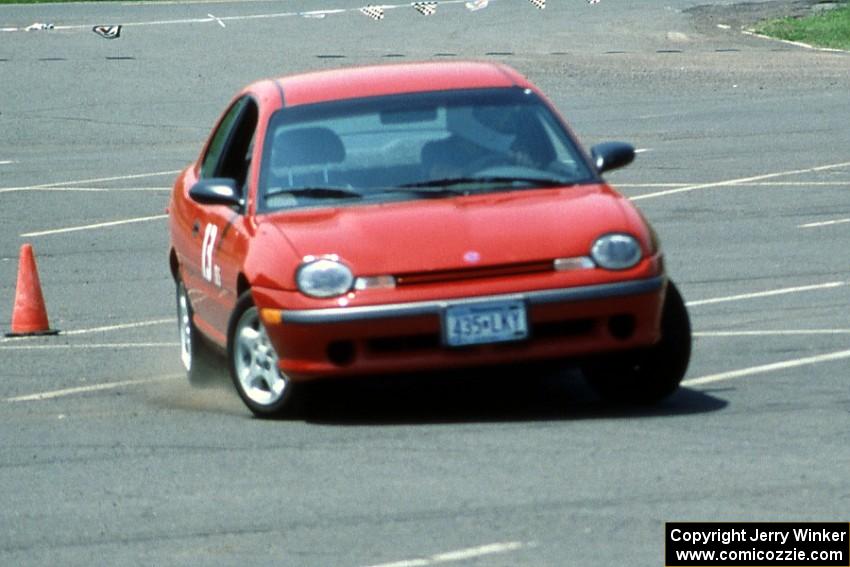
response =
{"points": [[403, 337], [436, 307]]}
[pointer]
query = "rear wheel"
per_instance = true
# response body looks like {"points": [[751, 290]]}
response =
{"points": [[198, 357], [651, 374], [264, 388]]}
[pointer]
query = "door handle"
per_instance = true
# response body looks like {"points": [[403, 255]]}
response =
{"points": [[196, 228]]}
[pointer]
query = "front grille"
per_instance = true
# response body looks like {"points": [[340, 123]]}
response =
{"points": [[415, 278]]}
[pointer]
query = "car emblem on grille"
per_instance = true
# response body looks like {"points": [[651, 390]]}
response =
{"points": [[472, 257]]}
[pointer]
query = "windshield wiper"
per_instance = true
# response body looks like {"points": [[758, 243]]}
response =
{"points": [[318, 192], [498, 180]]}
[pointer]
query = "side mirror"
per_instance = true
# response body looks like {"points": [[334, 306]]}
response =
{"points": [[611, 155], [216, 191]]}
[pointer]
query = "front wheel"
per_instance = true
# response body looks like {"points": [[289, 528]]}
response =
{"points": [[651, 374], [266, 390]]}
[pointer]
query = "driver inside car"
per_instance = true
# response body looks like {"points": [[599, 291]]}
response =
{"points": [[504, 135]]}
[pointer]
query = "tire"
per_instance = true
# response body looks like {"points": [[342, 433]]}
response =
{"points": [[201, 362], [647, 375], [252, 360]]}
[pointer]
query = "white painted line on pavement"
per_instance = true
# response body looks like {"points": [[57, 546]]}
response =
{"points": [[765, 333], [797, 184], [752, 184], [221, 19], [406, 563], [8, 162], [88, 181], [90, 346], [480, 551], [739, 181], [92, 226], [100, 189], [823, 223], [220, 23], [650, 185], [839, 355], [103, 329], [121, 326], [458, 555], [790, 42], [93, 388], [781, 291]]}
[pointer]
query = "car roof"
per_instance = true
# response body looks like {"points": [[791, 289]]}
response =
{"points": [[381, 80]]}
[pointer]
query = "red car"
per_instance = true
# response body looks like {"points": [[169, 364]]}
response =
{"points": [[414, 217]]}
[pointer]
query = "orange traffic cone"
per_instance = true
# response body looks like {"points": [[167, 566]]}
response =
{"points": [[29, 316]]}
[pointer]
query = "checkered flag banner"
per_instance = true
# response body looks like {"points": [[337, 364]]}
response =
{"points": [[476, 5], [107, 32], [374, 12], [426, 8], [539, 4]]}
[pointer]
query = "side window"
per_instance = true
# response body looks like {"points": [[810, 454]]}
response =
{"points": [[219, 139], [229, 153]]}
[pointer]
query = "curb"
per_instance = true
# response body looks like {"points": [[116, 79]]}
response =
{"points": [[753, 33]]}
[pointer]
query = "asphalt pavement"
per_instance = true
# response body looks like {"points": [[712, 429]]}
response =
{"points": [[108, 456]]}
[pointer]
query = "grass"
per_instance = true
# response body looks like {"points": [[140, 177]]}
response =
{"points": [[827, 29], [2, 2]]}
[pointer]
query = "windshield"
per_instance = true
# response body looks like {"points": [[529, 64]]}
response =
{"points": [[415, 146]]}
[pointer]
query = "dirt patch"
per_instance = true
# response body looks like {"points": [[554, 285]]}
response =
{"points": [[746, 14]]}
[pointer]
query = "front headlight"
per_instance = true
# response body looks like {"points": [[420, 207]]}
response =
{"points": [[324, 277], [616, 251]]}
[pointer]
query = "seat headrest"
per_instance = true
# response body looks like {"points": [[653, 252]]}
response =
{"points": [[307, 146]]}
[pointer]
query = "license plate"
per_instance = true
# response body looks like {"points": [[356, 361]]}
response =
{"points": [[485, 323]]}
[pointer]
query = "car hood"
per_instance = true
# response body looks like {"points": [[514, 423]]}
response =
{"points": [[460, 232]]}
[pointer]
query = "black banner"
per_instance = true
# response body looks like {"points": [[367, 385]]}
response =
{"points": [[757, 544]]}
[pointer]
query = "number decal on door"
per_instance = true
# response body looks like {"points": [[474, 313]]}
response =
{"points": [[207, 250]]}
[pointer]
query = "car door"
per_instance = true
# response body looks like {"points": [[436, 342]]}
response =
{"points": [[219, 237]]}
